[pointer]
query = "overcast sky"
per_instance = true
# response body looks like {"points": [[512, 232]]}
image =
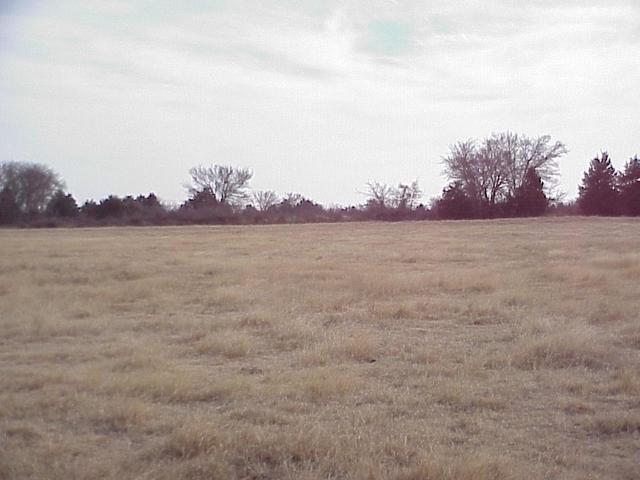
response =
{"points": [[315, 96]]}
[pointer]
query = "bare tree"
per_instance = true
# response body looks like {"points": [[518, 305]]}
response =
{"points": [[380, 194], [292, 199], [32, 185], [497, 168], [407, 196], [264, 199], [491, 160], [462, 166], [383, 196], [226, 183], [522, 153]]}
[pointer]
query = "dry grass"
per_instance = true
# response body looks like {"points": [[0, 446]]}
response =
{"points": [[230, 345], [617, 423], [577, 347], [466, 468], [410, 351]]}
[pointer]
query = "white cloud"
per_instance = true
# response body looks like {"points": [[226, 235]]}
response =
{"points": [[315, 96]]}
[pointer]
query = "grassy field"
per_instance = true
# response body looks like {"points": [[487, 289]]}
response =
{"points": [[413, 351]]}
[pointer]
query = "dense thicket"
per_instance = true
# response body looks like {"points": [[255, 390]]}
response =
{"points": [[502, 173], [505, 175]]}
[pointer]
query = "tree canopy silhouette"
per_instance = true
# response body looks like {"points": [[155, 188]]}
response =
{"points": [[227, 184], [62, 205], [492, 171], [30, 186], [454, 204], [530, 199], [598, 194]]}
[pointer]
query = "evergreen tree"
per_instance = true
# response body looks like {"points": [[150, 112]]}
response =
{"points": [[110, 207], [62, 205], [150, 201], [530, 200], [455, 203], [201, 199], [630, 187], [599, 190]]}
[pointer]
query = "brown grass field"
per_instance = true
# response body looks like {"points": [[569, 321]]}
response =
{"points": [[413, 351]]}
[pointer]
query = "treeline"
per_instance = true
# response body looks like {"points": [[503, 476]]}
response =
{"points": [[605, 191], [504, 175]]}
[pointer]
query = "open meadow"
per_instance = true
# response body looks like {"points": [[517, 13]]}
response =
{"points": [[477, 350]]}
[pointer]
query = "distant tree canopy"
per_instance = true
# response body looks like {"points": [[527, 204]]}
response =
{"points": [[529, 199], [404, 196], [385, 202], [296, 208], [201, 200], [493, 171], [62, 205], [598, 193], [264, 199], [380, 195], [225, 183], [26, 188], [455, 203], [113, 209], [505, 175]]}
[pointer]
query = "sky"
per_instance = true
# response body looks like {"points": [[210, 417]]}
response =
{"points": [[314, 96]]}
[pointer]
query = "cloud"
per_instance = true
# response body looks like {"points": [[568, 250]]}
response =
{"points": [[389, 37], [297, 89]]}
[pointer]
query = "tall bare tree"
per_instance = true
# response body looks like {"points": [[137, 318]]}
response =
{"points": [[226, 183], [462, 166], [496, 168], [521, 153], [492, 163]]}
